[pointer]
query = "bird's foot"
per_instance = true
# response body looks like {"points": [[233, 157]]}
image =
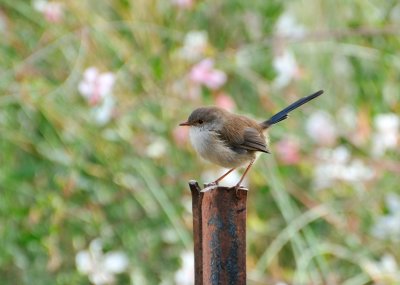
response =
{"points": [[239, 187], [214, 183], [209, 186]]}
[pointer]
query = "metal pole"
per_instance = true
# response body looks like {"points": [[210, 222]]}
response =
{"points": [[219, 232]]}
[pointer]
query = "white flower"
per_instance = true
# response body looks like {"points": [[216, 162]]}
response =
{"points": [[395, 14], [288, 27], [103, 113], [95, 86], [52, 11], [393, 202], [286, 66], [385, 271], [185, 275], [387, 133], [100, 267], [388, 226], [336, 165], [157, 148], [194, 46], [321, 128], [356, 171], [329, 167], [184, 4], [285, 62]]}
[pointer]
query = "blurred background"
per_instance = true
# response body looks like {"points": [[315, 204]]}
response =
{"points": [[94, 170]]}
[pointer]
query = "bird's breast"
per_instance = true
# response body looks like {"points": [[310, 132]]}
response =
{"points": [[210, 147]]}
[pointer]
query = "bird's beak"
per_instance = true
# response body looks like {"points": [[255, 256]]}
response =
{"points": [[184, 124]]}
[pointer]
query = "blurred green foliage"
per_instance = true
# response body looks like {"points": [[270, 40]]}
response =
{"points": [[66, 179]]}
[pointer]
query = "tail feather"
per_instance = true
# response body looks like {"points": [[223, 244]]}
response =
{"points": [[282, 115]]}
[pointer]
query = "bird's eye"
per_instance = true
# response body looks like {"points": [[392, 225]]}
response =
{"points": [[200, 122]]}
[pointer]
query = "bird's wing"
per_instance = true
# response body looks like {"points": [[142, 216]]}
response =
{"points": [[251, 140]]}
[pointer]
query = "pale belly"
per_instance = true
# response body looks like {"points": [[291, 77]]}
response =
{"points": [[212, 149]]}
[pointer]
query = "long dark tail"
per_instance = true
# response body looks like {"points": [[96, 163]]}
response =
{"points": [[280, 116]]}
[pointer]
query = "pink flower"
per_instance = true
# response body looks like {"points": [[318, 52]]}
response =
{"points": [[180, 135], [288, 151], [52, 11], [95, 86], [205, 74], [224, 101], [185, 4]]}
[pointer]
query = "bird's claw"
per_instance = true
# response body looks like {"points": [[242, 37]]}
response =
{"points": [[209, 186], [239, 187], [214, 183]]}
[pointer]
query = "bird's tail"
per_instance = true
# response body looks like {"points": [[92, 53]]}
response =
{"points": [[280, 116]]}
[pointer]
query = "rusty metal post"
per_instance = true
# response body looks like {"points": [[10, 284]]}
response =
{"points": [[219, 232]]}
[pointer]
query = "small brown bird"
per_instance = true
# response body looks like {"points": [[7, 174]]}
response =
{"points": [[231, 140]]}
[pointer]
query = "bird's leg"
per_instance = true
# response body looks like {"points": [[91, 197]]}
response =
{"points": [[212, 185], [224, 175], [244, 174]]}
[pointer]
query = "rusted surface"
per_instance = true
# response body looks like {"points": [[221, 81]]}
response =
{"points": [[219, 228], [197, 236]]}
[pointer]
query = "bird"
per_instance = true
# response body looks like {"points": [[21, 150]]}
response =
{"points": [[231, 140]]}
